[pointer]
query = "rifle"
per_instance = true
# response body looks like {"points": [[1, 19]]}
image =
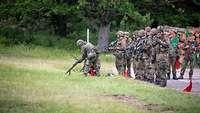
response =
{"points": [[69, 70]]}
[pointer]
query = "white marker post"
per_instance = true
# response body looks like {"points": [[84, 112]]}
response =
{"points": [[88, 35]]}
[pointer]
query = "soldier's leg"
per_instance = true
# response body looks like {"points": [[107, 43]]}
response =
{"points": [[139, 71], [128, 64], [152, 72], [134, 65], [97, 66], [163, 72], [86, 68], [185, 62], [169, 67], [192, 64], [163, 79], [119, 66], [156, 73], [136, 69], [174, 69], [142, 68], [147, 70]]}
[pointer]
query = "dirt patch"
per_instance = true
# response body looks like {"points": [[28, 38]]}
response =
{"points": [[140, 104]]}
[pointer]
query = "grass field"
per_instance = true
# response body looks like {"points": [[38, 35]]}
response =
{"points": [[32, 81]]}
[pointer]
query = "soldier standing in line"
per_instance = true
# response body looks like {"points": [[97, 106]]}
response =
{"points": [[139, 62], [172, 56], [150, 65], [161, 62], [189, 47], [118, 49], [132, 51]]}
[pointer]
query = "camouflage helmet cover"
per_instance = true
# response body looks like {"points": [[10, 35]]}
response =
{"points": [[120, 33], [160, 28], [147, 29], [153, 31], [141, 33], [80, 42]]}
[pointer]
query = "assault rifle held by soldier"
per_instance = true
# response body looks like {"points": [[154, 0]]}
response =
{"points": [[69, 70]]}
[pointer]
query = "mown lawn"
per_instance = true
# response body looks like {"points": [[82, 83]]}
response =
{"points": [[32, 83]]}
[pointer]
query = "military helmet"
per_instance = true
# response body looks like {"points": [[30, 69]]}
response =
{"points": [[80, 42], [147, 29], [120, 34], [153, 31], [126, 34], [160, 28], [141, 33]]}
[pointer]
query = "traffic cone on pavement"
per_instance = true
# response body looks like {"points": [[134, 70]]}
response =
{"points": [[189, 87]]}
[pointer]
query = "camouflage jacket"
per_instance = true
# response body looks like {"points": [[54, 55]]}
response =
{"points": [[89, 52]]}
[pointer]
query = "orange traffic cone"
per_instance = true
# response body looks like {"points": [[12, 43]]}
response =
{"points": [[92, 71], [125, 73], [189, 87]]}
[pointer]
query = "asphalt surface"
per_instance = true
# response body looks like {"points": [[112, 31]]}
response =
{"points": [[179, 85]]}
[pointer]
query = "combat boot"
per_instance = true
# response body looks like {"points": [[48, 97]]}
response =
{"points": [[174, 77], [168, 76], [163, 83], [157, 82]]}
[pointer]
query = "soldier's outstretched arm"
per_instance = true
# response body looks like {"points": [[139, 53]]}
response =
{"points": [[77, 61]]}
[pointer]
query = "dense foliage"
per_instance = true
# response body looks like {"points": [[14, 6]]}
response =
{"points": [[22, 20]]}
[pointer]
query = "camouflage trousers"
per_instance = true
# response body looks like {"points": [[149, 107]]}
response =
{"points": [[140, 70], [150, 71], [95, 63], [191, 62], [161, 67], [120, 65], [171, 65]]}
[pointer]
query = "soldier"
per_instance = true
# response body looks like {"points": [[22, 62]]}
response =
{"points": [[90, 54], [161, 63], [189, 56], [172, 57], [118, 48], [140, 71], [131, 51], [150, 63], [147, 30]]}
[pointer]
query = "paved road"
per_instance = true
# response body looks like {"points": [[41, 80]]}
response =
{"points": [[181, 84]]}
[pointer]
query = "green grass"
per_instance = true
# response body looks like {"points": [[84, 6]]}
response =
{"points": [[36, 84]]}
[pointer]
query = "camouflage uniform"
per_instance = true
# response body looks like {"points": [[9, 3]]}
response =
{"points": [[189, 57], [172, 62], [161, 62], [118, 48], [150, 63], [119, 61], [90, 54], [140, 66]]}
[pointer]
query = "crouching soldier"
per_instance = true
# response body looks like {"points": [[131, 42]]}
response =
{"points": [[90, 56]]}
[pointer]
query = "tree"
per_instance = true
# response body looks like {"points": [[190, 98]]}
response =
{"points": [[104, 12]]}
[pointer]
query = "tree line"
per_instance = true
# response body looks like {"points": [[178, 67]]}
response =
{"points": [[70, 18]]}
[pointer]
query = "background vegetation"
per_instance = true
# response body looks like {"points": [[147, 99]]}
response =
{"points": [[51, 23]]}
